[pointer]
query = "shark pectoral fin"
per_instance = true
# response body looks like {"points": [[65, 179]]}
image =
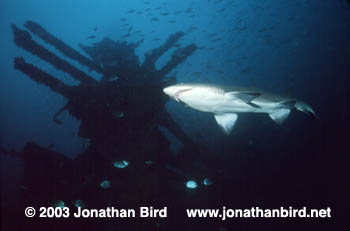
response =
{"points": [[246, 97], [279, 115], [226, 121]]}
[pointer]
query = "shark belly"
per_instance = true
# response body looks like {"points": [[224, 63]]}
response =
{"points": [[219, 104], [225, 111]]}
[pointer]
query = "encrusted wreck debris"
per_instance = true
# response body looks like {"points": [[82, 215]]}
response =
{"points": [[65, 49], [120, 115], [96, 103]]}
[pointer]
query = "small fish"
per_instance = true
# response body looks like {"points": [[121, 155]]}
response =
{"points": [[156, 39], [212, 35], [106, 184], [245, 70], [191, 184], [171, 21], [121, 164], [207, 182], [91, 37], [189, 10], [165, 13], [95, 28], [130, 11], [155, 19], [79, 203], [58, 203], [123, 19]]}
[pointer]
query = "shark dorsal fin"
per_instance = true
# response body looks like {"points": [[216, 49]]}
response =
{"points": [[226, 121], [245, 97], [290, 104]]}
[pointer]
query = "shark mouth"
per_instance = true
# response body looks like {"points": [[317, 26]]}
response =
{"points": [[177, 94]]}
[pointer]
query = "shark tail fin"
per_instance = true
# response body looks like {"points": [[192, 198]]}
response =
{"points": [[301, 106]]}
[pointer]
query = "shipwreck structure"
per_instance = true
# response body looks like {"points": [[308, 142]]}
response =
{"points": [[120, 114]]}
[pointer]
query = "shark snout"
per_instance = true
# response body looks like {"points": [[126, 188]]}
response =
{"points": [[175, 92], [166, 90], [170, 91]]}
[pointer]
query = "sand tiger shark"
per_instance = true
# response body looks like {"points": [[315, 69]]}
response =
{"points": [[225, 102]]}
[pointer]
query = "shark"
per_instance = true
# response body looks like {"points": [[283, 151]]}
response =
{"points": [[226, 102]]}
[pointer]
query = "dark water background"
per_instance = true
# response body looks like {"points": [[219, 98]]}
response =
{"points": [[299, 48]]}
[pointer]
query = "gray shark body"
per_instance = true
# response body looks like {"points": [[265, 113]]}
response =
{"points": [[225, 102]]}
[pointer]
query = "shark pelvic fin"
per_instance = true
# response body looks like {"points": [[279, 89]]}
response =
{"points": [[246, 97], [226, 121], [279, 115]]}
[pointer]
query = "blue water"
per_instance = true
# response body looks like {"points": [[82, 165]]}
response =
{"points": [[299, 48]]}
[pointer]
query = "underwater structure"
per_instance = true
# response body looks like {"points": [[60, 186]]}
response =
{"points": [[128, 162]]}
